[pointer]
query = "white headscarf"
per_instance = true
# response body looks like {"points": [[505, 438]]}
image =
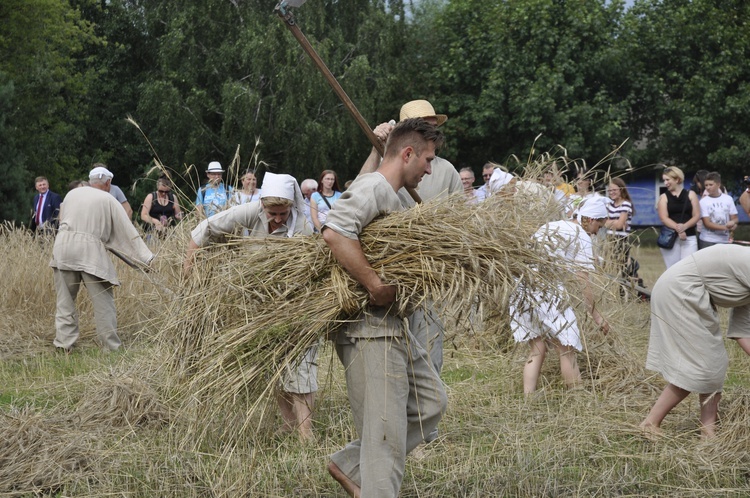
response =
{"points": [[285, 187], [499, 179], [594, 208]]}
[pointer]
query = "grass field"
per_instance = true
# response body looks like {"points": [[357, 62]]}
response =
{"points": [[96, 424]]}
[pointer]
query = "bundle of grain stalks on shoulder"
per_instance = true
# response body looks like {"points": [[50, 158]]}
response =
{"points": [[253, 306]]}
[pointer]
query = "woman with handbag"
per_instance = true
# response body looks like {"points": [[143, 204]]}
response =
{"points": [[679, 210]]}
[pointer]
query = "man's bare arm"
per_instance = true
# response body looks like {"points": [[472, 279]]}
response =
{"points": [[373, 160], [371, 163], [348, 252]]}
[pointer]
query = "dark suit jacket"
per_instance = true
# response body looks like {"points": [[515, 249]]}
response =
{"points": [[50, 210]]}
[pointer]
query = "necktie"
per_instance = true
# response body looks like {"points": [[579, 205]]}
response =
{"points": [[39, 210]]}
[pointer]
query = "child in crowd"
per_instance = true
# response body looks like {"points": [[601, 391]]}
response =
{"points": [[718, 212]]}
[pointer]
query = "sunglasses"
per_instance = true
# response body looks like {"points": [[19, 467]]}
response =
{"points": [[165, 191]]}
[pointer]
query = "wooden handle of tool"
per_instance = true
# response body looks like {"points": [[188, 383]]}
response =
{"points": [[290, 23]]}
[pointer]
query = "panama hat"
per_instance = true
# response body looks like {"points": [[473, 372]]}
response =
{"points": [[421, 109], [214, 167]]}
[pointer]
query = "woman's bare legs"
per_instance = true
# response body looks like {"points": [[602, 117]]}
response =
{"points": [[571, 374], [668, 399], [709, 414], [533, 366]]}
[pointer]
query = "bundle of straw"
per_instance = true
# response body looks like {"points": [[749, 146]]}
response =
{"points": [[253, 306], [41, 452]]}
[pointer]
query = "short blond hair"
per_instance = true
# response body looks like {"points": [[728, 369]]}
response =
{"points": [[674, 173], [271, 201]]}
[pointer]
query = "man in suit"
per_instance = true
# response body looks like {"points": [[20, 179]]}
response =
{"points": [[46, 208]]}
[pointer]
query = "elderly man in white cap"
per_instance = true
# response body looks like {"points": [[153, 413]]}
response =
{"points": [[91, 223], [214, 196], [538, 317], [279, 213]]}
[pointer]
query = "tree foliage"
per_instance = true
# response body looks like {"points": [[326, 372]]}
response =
{"points": [[692, 93], [519, 68], [44, 115], [204, 77]]}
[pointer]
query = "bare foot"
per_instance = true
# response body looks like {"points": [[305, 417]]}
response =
{"points": [[708, 432], [650, 431], [349, 486]]}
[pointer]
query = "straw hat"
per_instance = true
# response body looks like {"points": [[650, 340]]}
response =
{"points": [[421, 109]]}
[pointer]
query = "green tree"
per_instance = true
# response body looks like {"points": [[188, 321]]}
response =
{"points": [[121, 63], [515, 69], [230, 74], [691, 96], [12, 169], [39, 45]]}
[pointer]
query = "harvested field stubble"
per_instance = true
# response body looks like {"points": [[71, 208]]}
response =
{"points": [[152, 420]]}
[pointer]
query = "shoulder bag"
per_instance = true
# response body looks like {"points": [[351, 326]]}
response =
{"points": [[668, 236]]}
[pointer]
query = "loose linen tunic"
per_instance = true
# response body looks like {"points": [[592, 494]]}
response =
{"points": [[395, 394], [247, 216], [91, 223], [367, 198], [686, 345]]}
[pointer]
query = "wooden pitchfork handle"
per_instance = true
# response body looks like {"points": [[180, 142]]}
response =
{"points": [[286, 15]]}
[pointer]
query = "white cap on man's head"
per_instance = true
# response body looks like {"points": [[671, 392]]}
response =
{"points": [[99, 173], [214, 167], [421, 109]]}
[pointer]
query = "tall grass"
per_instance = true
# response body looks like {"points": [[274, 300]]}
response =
{"points": [[96, 424]]}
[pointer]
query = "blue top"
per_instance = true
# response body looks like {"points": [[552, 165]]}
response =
{"points": [[213, 199], [323, 208]]}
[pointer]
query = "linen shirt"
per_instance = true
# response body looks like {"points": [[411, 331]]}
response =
{"points": [[569, 242], [248, 216], [369, 196], [93, 222]]}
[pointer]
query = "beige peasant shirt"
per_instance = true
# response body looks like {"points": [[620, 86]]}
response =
{"points": [[92, 222]]}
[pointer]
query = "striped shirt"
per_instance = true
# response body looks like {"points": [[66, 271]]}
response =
{"points": [[614, 213]]}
